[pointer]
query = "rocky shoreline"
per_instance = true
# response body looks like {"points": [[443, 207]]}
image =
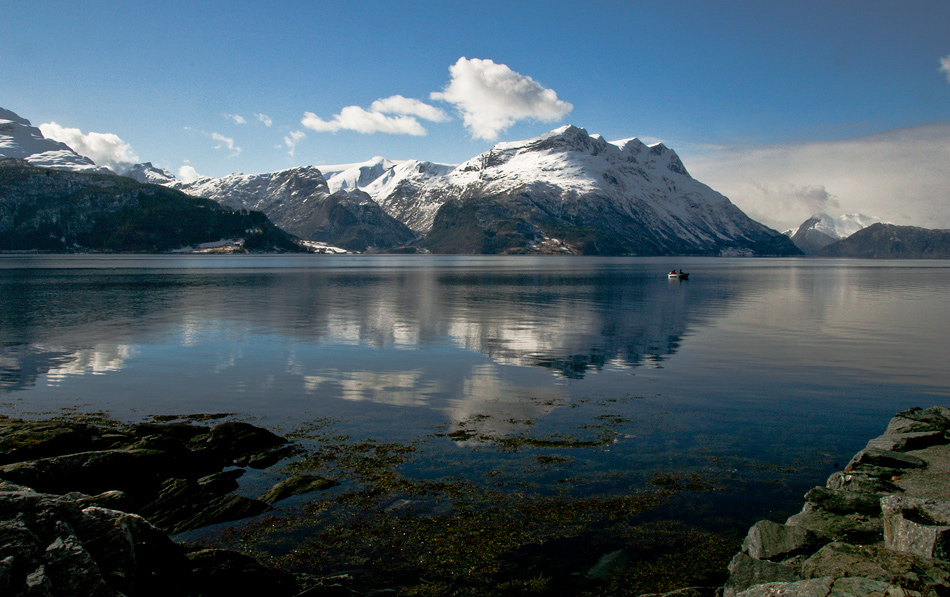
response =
{"points": [[879, 528], [88, 508]]}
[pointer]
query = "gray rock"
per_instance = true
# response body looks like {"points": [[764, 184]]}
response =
{"points": [[905, 442], [877, 563], [296, 485], [822, 587], [746, 571], [852, 528], [885, 458], [860, 482], [843, 502], [935, 418], [49, 545], [769, 540], [917, 526]]}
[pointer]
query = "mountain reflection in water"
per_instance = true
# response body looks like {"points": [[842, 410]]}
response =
{"points": [[501, 338], [572, 320]]}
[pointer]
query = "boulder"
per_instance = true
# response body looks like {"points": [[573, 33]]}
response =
{"points": [[769, 540], [935, 418], [885, 458], [746, 571], [822, 587], [905, 442], [877, 563], [917, 526], [860, 482], [49, 545], [829, 526], [841, 501], [296, 485]]}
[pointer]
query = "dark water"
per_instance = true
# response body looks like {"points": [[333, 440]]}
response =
{"points": [[768, 374]]}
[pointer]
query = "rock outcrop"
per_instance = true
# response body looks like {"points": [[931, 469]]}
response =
{"points": [[881, 527], [87, 509]]}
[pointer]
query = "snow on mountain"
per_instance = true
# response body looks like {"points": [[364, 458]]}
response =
{"points": [[300, 202], [821, 230], [632, 198], [282, 191], [844, 225], [150, 174], [355, 176], [20, 139]]}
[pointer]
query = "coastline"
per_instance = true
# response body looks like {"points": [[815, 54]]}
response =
{"points": [[88, 507]]}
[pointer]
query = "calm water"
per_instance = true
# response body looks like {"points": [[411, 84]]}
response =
{"points": [[753, 369]]}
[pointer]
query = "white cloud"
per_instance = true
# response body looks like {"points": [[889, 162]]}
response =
{"points": [[900, 176], [264, 118], [355, 118], [105, 149], [291, 141], [398, 104], [225, 142], [188, 174], [945, 66], [237, 118], [492, 97]]}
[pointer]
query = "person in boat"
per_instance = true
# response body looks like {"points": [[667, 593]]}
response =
{"points": [[681, 272], [673, 272]]}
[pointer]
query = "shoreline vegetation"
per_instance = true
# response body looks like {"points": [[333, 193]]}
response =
{"points": [[91, 506]]}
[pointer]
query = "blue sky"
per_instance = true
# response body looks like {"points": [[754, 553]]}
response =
{"points": [[786, 107]]}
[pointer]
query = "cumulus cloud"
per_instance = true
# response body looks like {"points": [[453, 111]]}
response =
{"points": [[945, 66], [236, 118], [395, 115], [225, 142], [899, 176], [188, 174], [265, 119], [105, 149], [355, 118], [291, 141], [491, 97], [398, 104]]}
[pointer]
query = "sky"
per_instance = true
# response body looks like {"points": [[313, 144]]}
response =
{"points": [[787, 108]]}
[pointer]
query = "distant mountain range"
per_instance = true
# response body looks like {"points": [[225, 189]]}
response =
{"points": [[821, 230], [565, 192], [60, 211], [887, 241]]}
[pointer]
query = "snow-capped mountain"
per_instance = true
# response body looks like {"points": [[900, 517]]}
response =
{"points": [[20, 139], [355, 176], [299, 201], [821, 230], [150, 174], [568, 191]]}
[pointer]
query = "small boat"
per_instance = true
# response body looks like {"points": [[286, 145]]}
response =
{"points": [[678, 276]]}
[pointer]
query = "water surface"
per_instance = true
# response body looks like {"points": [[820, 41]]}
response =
{"points": [[750, 368]]}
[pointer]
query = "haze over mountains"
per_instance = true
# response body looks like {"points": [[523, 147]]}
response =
{"points": [[565, 192]]}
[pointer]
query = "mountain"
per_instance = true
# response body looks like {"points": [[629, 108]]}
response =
{"points": [[887, 241], [570, 192], [355, 176], [149, 174], [20, 139], [821, 230], [59, 210], [300, 202]]}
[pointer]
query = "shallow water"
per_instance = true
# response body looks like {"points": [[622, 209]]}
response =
{"points": [[766, 374]]}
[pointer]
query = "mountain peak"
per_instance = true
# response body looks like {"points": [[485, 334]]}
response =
{"points": [[13, 117], [20, 139]]}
